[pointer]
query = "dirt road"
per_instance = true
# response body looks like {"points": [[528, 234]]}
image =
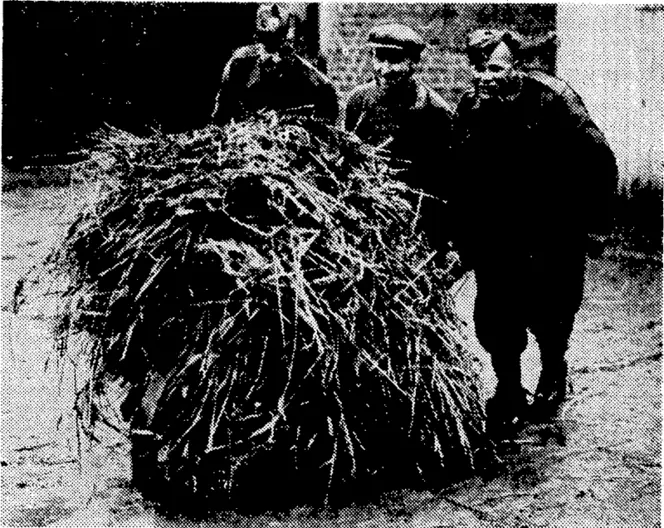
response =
{"points": [[600, 465]]}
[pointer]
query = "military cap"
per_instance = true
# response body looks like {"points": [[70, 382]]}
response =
{"points": [[482, 42], [269, 19], [396, 36]]}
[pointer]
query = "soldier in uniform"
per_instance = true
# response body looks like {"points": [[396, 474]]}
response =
{"points": [[405, 120], [270, 75], [534, 176]]}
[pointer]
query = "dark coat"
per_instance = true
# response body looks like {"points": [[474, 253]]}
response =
{"points": [[534, 173], [415, 129], [253, 81], [415, 126]]}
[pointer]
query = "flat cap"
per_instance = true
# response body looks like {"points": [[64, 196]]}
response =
{"points": [[396, 36]]}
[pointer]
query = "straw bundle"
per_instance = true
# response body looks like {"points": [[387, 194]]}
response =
{"points": [[261, 291]]}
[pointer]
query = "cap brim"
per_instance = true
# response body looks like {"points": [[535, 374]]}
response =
{"points": [[386, 46]]}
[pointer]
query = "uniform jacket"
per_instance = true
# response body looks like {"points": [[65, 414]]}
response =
{"points": [[254, 80], [532, 172]]}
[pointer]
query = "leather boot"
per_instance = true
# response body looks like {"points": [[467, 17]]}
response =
{"points": [[551, 391], [506, 410]]}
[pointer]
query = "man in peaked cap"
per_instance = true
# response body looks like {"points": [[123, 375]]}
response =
{"points": [[405, 119], [269, 75], [534, 177]]}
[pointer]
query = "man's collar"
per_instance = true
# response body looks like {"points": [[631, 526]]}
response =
{"points": [[266, 56], [510, 97], [409, 94]]}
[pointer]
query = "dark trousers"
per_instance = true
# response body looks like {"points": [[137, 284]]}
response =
{"points": [[540, 291]]}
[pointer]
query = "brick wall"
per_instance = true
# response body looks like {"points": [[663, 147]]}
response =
{"points": [[344, 28]]}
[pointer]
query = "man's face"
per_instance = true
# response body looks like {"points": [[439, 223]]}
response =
{"points": [[271, 34], [392, 67], [493, 75]]}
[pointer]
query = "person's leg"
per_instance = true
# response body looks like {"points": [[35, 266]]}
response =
{"points": [[501, 330], [552, 337], [558, 285]]}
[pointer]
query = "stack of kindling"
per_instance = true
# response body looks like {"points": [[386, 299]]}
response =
{"points": [[281, 327]]}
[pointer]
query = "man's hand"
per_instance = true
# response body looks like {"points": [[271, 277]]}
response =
{"points": [[287, 50], [454, 266]]}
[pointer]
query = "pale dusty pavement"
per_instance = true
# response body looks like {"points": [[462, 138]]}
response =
{"points": [[600, 466]]}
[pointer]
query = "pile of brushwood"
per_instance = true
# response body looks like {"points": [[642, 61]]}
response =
{"points": [[278, 322]]}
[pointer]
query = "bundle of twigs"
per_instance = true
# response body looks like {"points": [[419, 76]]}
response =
{"points": [[280, 324]]}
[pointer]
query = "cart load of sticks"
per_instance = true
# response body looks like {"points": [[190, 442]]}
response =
{"points": [[278, 324]]}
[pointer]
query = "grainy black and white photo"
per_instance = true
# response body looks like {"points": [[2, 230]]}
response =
{"points": [[336, 264]]}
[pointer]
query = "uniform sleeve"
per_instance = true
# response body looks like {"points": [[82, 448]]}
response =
{"points": [[459, 124], [592, 162], [327, 99], [228, 101], [459, 184], [458, 168], [353, 111], [328, 102], [435, 146], [431, 174]]}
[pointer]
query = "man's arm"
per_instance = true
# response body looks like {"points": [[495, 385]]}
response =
{"points": [[220, 114], [460, 182], [228, 103], [433, 136], [327, 100], [328, 107], [353, 111], [593, 161]]}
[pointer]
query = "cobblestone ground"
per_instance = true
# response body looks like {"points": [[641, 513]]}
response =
{"points": [[599, 465]]}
